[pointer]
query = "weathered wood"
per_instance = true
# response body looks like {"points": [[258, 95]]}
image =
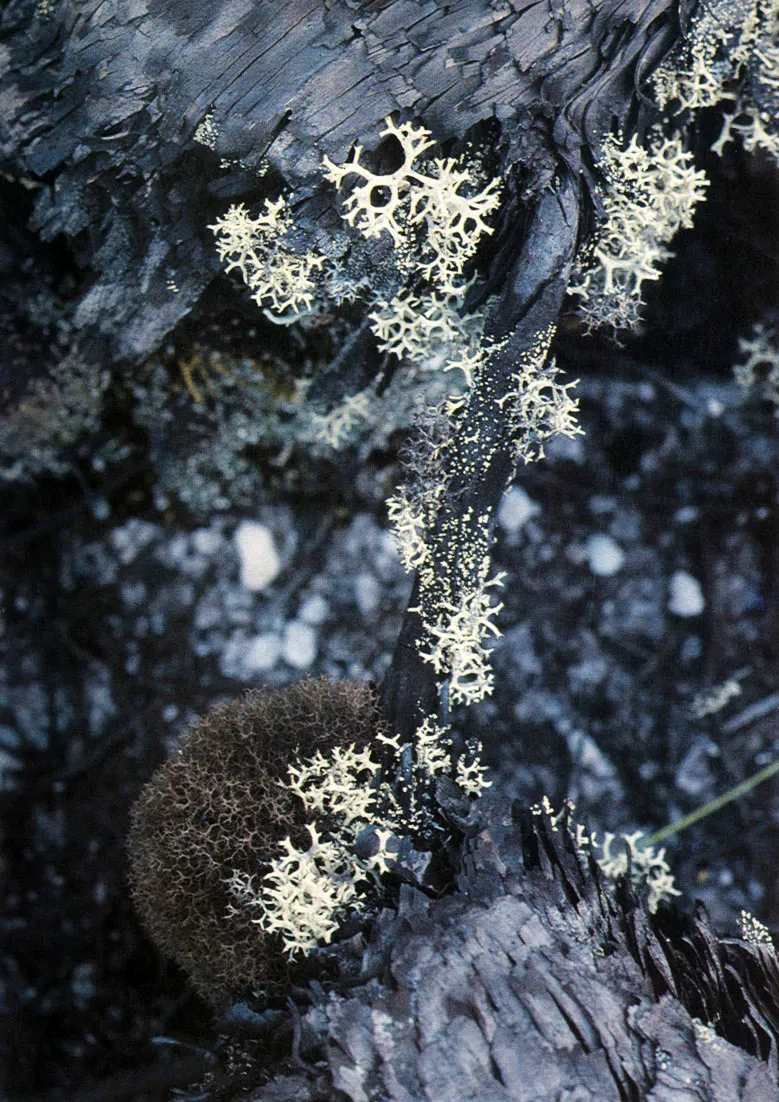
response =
{"points": [[530, 980], [482, 453], [534, 982], [101, 103]]}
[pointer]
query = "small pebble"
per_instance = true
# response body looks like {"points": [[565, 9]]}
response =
{"points": [[516, 509], [259, 559], [604, 556], [262, 653], [686, 595], [367, 592], [314, 610], [298, 645]]}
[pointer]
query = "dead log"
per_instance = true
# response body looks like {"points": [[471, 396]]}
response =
{"points": [[530, 980], [100, 108], [534, 981]]}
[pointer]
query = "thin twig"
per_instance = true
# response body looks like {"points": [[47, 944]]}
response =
{"points": [[713, 805], [758, 710]]}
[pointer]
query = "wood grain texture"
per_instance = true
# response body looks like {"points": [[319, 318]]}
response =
{"points": [[533, 982], [102, 101], [482, 454]]}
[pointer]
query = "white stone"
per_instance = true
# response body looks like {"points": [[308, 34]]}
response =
{"points": [[262, 653], [314, 610], [367, 592], [298, 645], [130, 538], [259, 558], [516, 509], [686, 595], [244, 656], [207, 541], [604, 555]]}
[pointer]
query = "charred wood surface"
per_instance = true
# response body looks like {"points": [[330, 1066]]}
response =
{"points": [[482, 461], [533, 981], [99, 105]]}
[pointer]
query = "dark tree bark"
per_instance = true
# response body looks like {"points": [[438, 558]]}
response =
{"points": [[100, 105], [482, 460], [534, 982]]}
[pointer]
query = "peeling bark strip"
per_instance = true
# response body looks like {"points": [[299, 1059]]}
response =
{"points": [[481, 458], [108, 99]]}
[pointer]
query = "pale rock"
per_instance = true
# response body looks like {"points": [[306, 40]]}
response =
{"points": [[314, 610], [259, 558], [298, 645], [516, 509], [367, 592], [605, 557], [262, 653], [685, 595]]}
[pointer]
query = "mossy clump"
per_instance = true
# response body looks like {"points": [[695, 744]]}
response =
{"points": [[217, 807]]}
